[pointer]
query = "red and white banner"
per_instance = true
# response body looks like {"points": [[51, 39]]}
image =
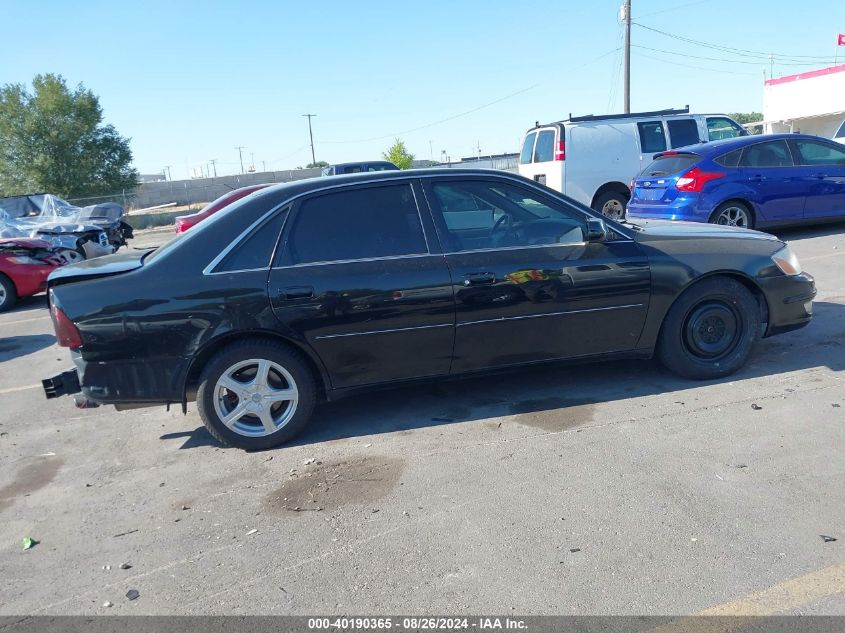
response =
{"points": [[841, 40]]}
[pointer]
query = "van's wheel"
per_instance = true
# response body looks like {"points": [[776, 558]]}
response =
{"points": [[256, 394], [733, 214], [710, 329], [611, 204], [8, 294]]}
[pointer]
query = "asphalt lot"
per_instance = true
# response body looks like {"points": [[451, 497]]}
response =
{"points": [[601, 489]]}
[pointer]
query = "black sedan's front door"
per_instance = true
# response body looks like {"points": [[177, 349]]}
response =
{"points": [[354, 280], [528, 286]]}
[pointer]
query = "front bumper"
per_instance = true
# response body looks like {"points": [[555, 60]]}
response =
{"points": [[790, 302]]}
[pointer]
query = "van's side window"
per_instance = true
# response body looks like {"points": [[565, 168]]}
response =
{"points": [[652, 137], [719, 127], [527, 149], [545, 147], [683, 132]]}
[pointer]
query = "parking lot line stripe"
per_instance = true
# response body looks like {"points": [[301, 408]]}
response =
{"points": [[38, 318], [779, 598], [14, 389]]}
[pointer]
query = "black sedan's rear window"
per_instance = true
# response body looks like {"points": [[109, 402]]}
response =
{"points": [[670, 164]]}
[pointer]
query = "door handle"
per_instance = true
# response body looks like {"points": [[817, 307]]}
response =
{"points": [[758, 178], [296, 292], [478, 279], [820, 176]]}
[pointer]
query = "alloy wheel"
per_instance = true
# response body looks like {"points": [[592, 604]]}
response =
{"points": [[255, 397], [733, 216]]}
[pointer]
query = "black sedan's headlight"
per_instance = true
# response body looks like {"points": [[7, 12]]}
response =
{"points": [[787, 261]]}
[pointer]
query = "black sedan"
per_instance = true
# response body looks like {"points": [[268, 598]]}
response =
{"points": [[317, 288]]}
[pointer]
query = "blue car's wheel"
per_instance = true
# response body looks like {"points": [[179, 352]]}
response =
{"points": [[733, 214]]}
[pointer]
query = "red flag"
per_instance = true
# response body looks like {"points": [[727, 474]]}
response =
{"points": [[841, 41]]}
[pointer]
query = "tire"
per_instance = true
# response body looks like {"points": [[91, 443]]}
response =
{"points": [[8, 294], [238, 365], [733, 214], [611, 204], [70, 256], [710, 329]]}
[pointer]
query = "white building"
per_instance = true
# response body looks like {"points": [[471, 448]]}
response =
{"points": [[811, 102]]}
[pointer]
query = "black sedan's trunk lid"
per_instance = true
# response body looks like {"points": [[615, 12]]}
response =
{"points": [[98, 267]]}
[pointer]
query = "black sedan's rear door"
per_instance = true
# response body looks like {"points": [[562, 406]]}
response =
{"points": [[355, 279]]}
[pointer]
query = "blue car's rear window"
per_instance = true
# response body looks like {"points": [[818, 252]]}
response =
{"points": [[670, 165]]}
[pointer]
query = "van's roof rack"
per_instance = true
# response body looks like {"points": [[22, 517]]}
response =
{"points": [[603, 117]]}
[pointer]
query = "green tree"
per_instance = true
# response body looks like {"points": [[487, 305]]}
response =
{"points": [[399, 155], [748, 117], [53, 139], [319, 163]]}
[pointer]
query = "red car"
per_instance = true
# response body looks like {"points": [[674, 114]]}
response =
{"points": [[185, 222], [25, 265]]}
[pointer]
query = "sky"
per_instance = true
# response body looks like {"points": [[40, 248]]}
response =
{"points": [[190, 81]]}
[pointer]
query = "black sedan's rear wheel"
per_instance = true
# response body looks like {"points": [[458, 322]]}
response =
{"points": [[256, 395], [710, 330]]}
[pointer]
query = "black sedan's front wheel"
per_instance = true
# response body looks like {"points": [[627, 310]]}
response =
{"points": [[256, 395], [710, 330]]}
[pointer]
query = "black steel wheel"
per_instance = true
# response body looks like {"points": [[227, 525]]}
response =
{"points": [[710, 329]]}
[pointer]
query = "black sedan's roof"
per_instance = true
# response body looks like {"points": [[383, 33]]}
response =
{"points": [[297, 187]]}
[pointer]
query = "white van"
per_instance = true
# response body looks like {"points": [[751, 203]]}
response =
{"points": [[594, 158]]}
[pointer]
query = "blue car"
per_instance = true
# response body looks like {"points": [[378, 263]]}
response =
{"points": [[751, 182]]}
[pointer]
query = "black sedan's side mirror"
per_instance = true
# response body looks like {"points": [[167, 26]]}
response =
{"points": [[596, 230]]}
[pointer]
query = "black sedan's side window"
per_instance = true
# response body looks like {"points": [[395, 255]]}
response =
{"points": [[363, 223], [256, 250], [473, 215]]}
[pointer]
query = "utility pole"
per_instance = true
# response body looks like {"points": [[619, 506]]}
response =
{"points": [[626, 15], [311, 136], [431, 151], [167, 167], [241, 149], [213, 162], [252, 161]]}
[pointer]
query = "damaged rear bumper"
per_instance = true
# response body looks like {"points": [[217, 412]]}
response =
{"points": [[126, 385], [63, 384]]}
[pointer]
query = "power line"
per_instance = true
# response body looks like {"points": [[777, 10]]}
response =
{"points": [[293, 153], [722, 59], [433, 123], [713, 70], [736, 51], [466, 112]]}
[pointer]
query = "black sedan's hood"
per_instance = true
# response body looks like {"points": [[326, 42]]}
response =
{"points": [[669, 230]]}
